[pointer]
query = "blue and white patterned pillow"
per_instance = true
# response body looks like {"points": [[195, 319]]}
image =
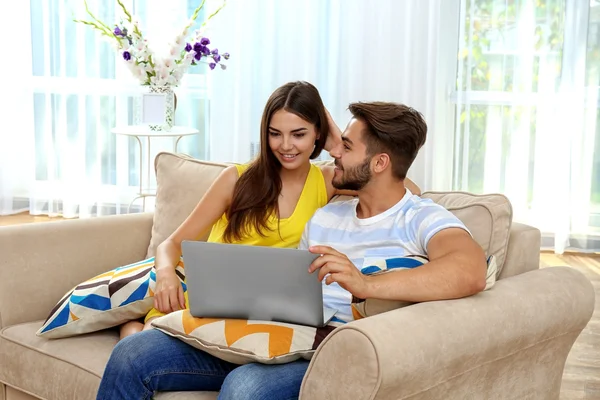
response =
{"points": [[104, 301], [362, 308]]}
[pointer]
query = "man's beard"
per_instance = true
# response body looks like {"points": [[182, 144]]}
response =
{"points": [[353, 178]]}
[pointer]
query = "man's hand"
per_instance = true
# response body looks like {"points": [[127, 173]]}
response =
{"points": [[340, 270]]}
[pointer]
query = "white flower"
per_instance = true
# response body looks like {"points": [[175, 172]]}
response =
{"points": [[174, 50], [189, 57], [141, 46], [159, 79], [172, 80], [162, 73], [158, 63], [168, 63], [140, 74]]}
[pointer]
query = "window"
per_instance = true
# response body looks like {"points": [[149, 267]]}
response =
{"points": [[527, 109], [81, 91]]}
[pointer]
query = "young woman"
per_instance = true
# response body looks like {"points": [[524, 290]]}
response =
{"points": [[267, 202]]}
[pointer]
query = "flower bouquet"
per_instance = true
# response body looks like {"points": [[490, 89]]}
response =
{"points": [[160, 73]]}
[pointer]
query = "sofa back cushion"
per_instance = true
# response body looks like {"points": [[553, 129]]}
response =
{"points": [[487, 216], [182, 181]]}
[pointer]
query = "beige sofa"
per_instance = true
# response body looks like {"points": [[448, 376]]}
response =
{"points": [[509, 342]]}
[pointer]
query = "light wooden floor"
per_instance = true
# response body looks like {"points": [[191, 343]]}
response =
{"points": [[581, 378], [25, 219]]}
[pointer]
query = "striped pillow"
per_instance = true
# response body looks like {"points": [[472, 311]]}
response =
{"points": [[362, 308], [245, 341], [104, 301]]}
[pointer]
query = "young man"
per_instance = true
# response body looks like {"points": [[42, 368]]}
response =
{"points": [[385, 221]]}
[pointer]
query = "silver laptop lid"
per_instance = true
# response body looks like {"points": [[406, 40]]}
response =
{"points": [[252, 282]]}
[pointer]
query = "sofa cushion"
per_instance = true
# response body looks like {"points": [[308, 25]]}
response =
{"points": [[63, 369], [488, 217], [181, 183], [245, 341], [104, 301], [54, 369]]}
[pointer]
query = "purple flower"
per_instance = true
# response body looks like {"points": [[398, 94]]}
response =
{"points": [[225, 56], [216, 57], [188, 47], [198, 56], [198, 47], [204, 41], [212, 65], [215, 51], [118, 31], [206, 50], [127, 55]]}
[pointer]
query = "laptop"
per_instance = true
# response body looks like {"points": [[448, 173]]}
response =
{"points": [[253, 282]]}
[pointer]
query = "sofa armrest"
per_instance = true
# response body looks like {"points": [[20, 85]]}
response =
{"points": [[523, 253], [40, 262], [509, 342]]}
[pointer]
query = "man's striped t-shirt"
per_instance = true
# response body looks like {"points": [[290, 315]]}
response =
{"points": [[403, 230]]}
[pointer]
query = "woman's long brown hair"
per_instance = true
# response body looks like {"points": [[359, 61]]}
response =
{"points": [[256, 193]]}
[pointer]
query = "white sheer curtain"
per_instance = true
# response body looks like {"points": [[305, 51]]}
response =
{"points": [[352, 50], [71, 89], [68, 89], [528, 123]]}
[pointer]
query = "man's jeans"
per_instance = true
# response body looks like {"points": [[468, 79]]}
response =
{"points": [[151, 361]]}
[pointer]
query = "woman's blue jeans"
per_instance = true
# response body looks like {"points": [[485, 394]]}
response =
{"points": [[151, 361]]}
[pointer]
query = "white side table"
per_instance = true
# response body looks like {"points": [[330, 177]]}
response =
{"points": [[141, 131]]}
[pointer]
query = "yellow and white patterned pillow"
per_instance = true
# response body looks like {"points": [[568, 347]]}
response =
{"points": [[245, 341]]}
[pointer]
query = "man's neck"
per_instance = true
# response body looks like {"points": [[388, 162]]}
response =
{"points": [[378, 197]]}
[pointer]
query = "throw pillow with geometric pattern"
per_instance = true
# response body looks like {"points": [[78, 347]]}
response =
{"points": [[241, 341], [362, 308], [105, 301]]}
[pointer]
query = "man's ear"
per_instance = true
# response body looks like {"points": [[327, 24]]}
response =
{"points": [[381, 162]]}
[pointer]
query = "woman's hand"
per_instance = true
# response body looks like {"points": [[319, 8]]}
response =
{"points": [[168, 296], [335, 134]]}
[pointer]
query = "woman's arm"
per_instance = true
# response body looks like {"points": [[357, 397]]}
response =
{"points": [[335, 134], [410, 185], [168, 295]]}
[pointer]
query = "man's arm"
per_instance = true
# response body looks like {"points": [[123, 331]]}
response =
{"points": [[456, 268]]}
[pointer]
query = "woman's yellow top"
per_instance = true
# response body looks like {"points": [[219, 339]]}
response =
{"points": [[289, 231]]}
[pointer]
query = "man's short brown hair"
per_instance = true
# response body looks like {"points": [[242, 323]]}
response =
{"points": [[392, 128]]}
